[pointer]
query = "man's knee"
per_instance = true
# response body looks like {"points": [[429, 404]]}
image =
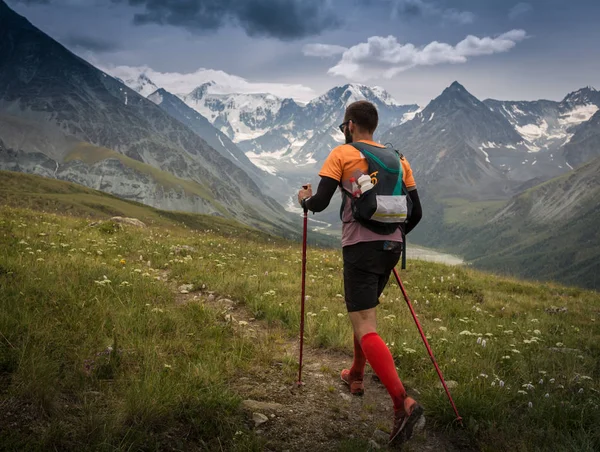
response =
{"points": [[363, 322]]}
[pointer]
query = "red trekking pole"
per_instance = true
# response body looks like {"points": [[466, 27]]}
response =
{"points": [[439, 372], [304, 232]]}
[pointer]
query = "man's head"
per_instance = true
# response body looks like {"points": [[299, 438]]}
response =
{"points": [[361, 119]]}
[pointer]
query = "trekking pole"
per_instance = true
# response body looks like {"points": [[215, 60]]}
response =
{"points": [[437, 368], [304, 232]]}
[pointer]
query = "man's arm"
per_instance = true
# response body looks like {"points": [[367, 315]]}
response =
{"points": [[417, 211], [322, 198]]}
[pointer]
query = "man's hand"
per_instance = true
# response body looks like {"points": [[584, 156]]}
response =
{"points": [[306, 192]]}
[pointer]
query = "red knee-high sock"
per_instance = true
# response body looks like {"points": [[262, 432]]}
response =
{"points": [[358, 365], [381, 361]]}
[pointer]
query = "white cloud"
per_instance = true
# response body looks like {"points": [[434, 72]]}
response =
{"points": [[323, 50], [423, 8], [386, 57], [520, 9], [178, 83]]}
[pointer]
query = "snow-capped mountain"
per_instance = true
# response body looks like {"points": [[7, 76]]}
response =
{"points": [[547, 125], [62, 117], [142, 84], [459, 145], [239, 116], [585, 142], [281, 135]]}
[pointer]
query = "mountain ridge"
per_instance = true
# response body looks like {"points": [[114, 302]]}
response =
{"points": [[46, 83]]}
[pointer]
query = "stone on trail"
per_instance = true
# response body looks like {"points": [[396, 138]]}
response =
{"points": [[259, 419], [130, 221], [373, 445], [346, 397], [381, 437], [211, 298]]}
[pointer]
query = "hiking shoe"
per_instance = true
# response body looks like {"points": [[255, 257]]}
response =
{"points": [[356, 386], [405, 421]]}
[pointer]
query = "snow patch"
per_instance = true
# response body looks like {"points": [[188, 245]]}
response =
{"points": [[517, 110], [431, 117], [410, 115], [532, 132], [487, 157], [578, 115], [257, 161]]}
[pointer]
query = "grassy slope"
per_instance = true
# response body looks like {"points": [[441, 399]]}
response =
{"points": [[170, 377], [564, 251]]}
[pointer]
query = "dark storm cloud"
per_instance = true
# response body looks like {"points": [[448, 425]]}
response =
{"points": [[31, 2], [91, 43], [282, 19]]}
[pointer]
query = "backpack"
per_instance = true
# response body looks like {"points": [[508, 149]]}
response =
{"points": [[387, 206]]}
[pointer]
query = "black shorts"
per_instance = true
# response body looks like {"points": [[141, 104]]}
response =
{"points": [[367, 269]]}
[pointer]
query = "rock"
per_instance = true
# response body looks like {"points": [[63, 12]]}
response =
{"points": [[130, 221], [186, 288], [259, 419], [450, 383], [346, 397], [211, 298], [226, 301], [373, 445], [419, 426], [381, 437], [255, 405]]}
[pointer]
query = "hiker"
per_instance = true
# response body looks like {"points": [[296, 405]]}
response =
{"points": [[369, 258]]}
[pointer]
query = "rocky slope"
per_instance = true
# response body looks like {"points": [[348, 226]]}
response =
{"points": [[43, 83]]}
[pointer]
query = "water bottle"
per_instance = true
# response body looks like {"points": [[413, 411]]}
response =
{"points": [[365, 183]]}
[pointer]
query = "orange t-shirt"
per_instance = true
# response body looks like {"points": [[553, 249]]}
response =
{"points": [[345, 162]]}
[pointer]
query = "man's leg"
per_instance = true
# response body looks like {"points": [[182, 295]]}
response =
{"points": [[357, 370], [377, 353]]}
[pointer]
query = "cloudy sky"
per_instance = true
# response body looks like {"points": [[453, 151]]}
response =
{"points": [[503, 49]]}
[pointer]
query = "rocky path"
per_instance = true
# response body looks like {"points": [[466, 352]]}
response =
{"points": [[321, 415]]}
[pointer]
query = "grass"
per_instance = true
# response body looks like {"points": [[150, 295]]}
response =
{"points": [[478, 212], [95, 353]]}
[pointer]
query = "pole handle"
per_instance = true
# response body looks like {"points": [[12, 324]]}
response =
{"points": [[305, 187]]}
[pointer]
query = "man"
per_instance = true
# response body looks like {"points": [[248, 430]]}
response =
{"points": [[369, 258]]}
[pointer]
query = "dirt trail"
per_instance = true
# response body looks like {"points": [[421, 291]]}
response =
{"points": [[322, 415]]}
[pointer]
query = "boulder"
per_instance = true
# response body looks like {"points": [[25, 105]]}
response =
{"points": [[129, 221]]}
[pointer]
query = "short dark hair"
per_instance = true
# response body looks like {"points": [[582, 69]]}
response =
{"points": [[363, 114]]}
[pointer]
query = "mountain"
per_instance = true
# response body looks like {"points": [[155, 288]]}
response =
{"points": [[584, 145], [105, 123], [175, 107], [547, 125], [142, 84], [548, 232], [459, 147], [311, 135]]}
